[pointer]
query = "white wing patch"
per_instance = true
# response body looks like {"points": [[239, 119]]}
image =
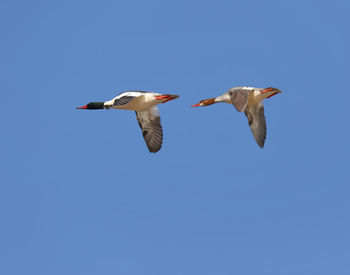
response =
{"points": [[131, 93], [127, 100]]}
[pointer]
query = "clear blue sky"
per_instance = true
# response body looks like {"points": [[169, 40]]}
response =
{"points": [[81, 194]]}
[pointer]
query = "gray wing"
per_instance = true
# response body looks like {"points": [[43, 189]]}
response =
{"points": [[123, 100], [149, 121], [239, 98], [257, 123]]}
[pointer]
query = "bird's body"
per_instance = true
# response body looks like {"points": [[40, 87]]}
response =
{"points": [[133, 101], [147, 114], [254, 95], [249, 100]]}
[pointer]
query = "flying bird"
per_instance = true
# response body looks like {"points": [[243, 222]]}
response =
{"points": [[249, 100], [147, 114]]}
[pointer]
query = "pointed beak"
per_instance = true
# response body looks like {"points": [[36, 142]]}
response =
{"points": [[196, 105], [82, 107]]}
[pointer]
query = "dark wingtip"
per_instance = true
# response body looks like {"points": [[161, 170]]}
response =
{"points": [[261, 144], [154, 150]]}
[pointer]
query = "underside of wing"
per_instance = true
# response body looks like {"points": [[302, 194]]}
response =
{"points": [[239, 98], [149, 121], [257, 122]]}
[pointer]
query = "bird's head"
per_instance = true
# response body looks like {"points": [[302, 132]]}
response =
{"points": [[93, 106]]}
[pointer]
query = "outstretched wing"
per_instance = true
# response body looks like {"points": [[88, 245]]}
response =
{"points": [[149, 121], [123, 100], [239, 98], [257, 123]]}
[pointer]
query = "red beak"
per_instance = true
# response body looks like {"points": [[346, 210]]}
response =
{"points": [[196, 105], [83, 107]]}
